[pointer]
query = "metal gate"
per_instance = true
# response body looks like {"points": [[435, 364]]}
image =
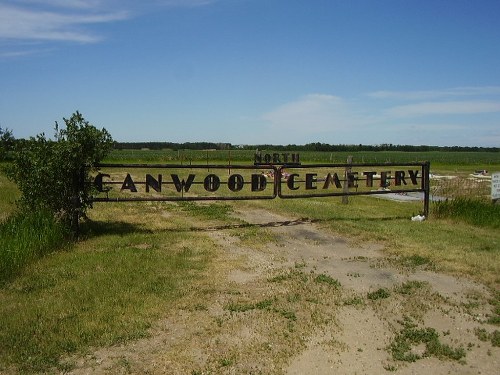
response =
{"points": [[197, 182]]}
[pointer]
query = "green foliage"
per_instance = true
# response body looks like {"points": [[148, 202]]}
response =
{"points": [[55, 174], [412, 336], [8, 194], [6, 142], [410, 287], [495, 316], [472, 211], [322, 278], [495, 338], [25, 237], [379, 294]]}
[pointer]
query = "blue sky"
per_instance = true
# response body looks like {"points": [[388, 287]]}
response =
{"points": [[255, 71]]}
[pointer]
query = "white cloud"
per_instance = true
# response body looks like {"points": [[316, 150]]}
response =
{"points": [[78, 4], [31, 24], [186, 3], [320, 118], [313, 112], [444, 108], [71, 20], [333, 119], [21, 53], [435, 94]]}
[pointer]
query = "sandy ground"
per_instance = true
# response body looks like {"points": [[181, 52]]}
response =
{"points": [[265, 312]]}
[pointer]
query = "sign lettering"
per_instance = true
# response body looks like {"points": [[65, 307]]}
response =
{"points": [[261, 181]]}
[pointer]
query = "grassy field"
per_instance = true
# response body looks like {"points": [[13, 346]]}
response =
{"points": [[441, 161], [136, 260]]}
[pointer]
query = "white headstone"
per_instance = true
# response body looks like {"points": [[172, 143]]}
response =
{"points": [[495, 186]]}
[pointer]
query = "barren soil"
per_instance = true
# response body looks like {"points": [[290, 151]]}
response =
{"points": [[301, 304]]}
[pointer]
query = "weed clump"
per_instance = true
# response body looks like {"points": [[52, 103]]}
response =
{"points": [[379, 294], [322, 278], [411, 336]]}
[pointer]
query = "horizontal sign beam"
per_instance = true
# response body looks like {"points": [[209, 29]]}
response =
{"points": [[173, 182]]}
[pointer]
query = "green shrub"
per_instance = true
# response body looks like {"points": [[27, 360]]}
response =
{"points": [[55, 174]]}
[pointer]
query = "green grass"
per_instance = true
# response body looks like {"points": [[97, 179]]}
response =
{"points": [[472, 211], [108, 289], [209, 211], [26, 237]]}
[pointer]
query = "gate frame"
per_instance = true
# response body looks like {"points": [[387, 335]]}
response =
{"points": [[277, 181]]}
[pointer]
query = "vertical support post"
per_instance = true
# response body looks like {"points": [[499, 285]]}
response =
{"points": [[426, 186], [277, 180], [345, 197]]}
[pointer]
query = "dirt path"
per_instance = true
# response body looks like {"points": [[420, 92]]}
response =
{"points": [[311, 304]]}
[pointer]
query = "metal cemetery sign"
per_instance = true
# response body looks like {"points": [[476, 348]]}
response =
{"points": [[168, 182]]}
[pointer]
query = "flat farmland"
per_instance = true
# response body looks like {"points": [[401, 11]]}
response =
{"points": [[267, 286]]}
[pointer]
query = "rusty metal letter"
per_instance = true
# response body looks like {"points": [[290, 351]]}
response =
{"points": [[311, 179], [369, 178], [352, 178], [155, 184], [128, 184], [258, 182], [413, 176], [290, 182], [384, 179], [399, 177], [181, 184], [332, 179], [211, 183], [235, 182], [98, 181]]}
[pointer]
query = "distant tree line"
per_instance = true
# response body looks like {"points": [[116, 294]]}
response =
{"points": [[293, 147], [171, 146], [8, 143]]}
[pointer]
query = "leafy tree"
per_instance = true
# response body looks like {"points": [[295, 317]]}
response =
{"points": [[6, 142], [55, 174]]}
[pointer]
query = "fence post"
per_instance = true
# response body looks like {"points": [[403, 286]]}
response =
{"points": [[426, 187], [345, 197]]}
